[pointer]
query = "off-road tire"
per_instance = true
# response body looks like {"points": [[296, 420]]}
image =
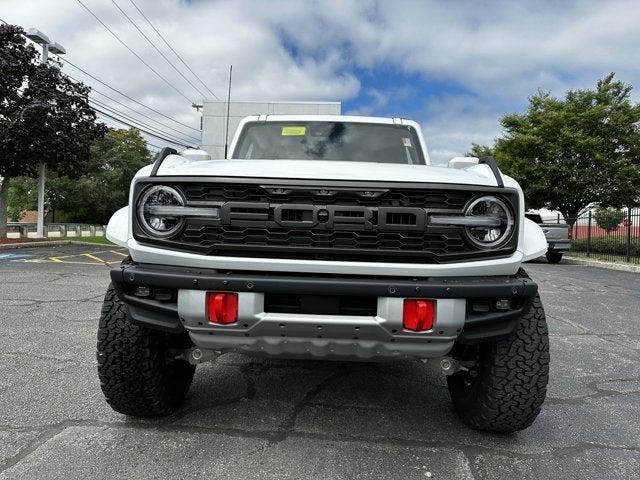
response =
{"points": [[138, 371], [554, 257], [505, 392]]}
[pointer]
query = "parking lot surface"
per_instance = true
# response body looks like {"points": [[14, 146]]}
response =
{"points": [[254, 418]]}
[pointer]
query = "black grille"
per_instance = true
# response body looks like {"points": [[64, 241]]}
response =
{"points": [[372, 222], [441, 243]]}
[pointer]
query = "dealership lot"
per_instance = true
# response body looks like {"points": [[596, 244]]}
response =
{"points": [[253, 418]]}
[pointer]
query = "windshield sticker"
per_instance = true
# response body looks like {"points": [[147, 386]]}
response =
{"points": [[294, 131], [406, 142]]}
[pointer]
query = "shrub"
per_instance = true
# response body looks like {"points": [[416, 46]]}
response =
{"points": [[608, 245], [609, 218]]}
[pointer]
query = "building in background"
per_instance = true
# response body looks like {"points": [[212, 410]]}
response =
{"points": [[214, 118]]}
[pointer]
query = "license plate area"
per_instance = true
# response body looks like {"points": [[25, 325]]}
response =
{"points": [[321, 304]]}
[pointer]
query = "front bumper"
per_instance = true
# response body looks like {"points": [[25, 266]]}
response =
{"points": [[326, 336], [147, 254]]}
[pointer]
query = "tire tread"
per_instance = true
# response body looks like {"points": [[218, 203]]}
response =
{"points": [[512, 378], [134, 373]]}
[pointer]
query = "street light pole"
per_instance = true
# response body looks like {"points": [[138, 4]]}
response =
{"points": [[42, 169], [47, 45]]}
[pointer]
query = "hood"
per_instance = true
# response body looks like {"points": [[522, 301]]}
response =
{"points": [[175, 165]]}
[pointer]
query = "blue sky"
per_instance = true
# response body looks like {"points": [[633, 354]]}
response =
{"points": [[453, 66]]}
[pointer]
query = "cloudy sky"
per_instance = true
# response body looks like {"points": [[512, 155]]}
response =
{"points": [[454, 66]]}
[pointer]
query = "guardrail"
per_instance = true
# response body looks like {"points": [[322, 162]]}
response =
{"points": [[55, 230]]}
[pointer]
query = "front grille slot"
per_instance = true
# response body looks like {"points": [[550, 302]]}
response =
{"points": [[321, 304], [401, 219], [249, 211], [290, 215]]}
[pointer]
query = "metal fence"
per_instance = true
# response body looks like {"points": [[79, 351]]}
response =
{"points": [[618, 244]]}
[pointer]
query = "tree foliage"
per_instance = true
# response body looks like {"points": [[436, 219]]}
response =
{"points": [[480, 151], [44, 116], [569, 153], [609, 218], [115, 160], [91, 198]]}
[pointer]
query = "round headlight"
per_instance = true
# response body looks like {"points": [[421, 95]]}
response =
{"points": [[493, 222], [155, 211]]}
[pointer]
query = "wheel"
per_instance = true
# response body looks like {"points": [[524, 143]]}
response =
{"points": [[554, 257], [138, 371], [506, 389]]}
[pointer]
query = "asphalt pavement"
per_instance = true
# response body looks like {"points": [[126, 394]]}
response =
{"points": [[249, 418]]}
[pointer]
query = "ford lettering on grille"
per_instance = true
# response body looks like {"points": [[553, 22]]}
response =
{"points": [[324, 217]]}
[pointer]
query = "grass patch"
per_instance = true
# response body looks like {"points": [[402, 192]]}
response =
{"points": [[605, 257], [96, 240]]}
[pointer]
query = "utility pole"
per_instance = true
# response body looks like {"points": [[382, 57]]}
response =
{"points": [[47, 45]]}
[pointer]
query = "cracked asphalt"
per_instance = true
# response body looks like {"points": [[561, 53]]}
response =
{"points": [[252, 418]]}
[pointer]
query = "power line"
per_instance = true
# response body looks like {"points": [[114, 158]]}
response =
{"points": [[116, 124], [93, 90], [141, 129], [132, 119], [156, 48], [66, 60], [133, 52], [171, 48], [119, 120]]}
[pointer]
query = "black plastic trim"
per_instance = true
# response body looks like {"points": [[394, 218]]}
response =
{"points": [[493, 165], [164, 153], [150, 313], [478, 327]]}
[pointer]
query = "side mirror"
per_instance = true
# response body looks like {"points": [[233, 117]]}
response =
{"points": [[463, 162]]}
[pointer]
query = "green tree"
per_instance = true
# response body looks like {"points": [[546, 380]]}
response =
{"points": [[44, 116], [609, 218], [572, 152], [93, 198], [22, 195], [480, 151]]}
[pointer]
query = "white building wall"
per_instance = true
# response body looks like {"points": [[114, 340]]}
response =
{"points": [[214, 117]]}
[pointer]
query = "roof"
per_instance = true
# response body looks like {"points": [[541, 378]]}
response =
{"points": [[331, 118]]}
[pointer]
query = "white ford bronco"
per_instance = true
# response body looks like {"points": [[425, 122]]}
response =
{"points": [[326, 237]]}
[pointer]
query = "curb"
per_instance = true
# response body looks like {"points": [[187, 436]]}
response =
{"points": [[10, 246], [52, 243], [600, 264]]}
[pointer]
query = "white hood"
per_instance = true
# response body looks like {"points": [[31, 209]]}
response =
{"points": [[175, 165]]}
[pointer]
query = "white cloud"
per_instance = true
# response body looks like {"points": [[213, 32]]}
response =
{"points": [[453, 123], [496, 53]]}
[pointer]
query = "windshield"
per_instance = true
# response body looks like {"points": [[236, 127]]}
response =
{"points": [[341, 141]]}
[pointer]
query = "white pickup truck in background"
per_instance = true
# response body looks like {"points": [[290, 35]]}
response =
{"points": [[557, 235]]}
